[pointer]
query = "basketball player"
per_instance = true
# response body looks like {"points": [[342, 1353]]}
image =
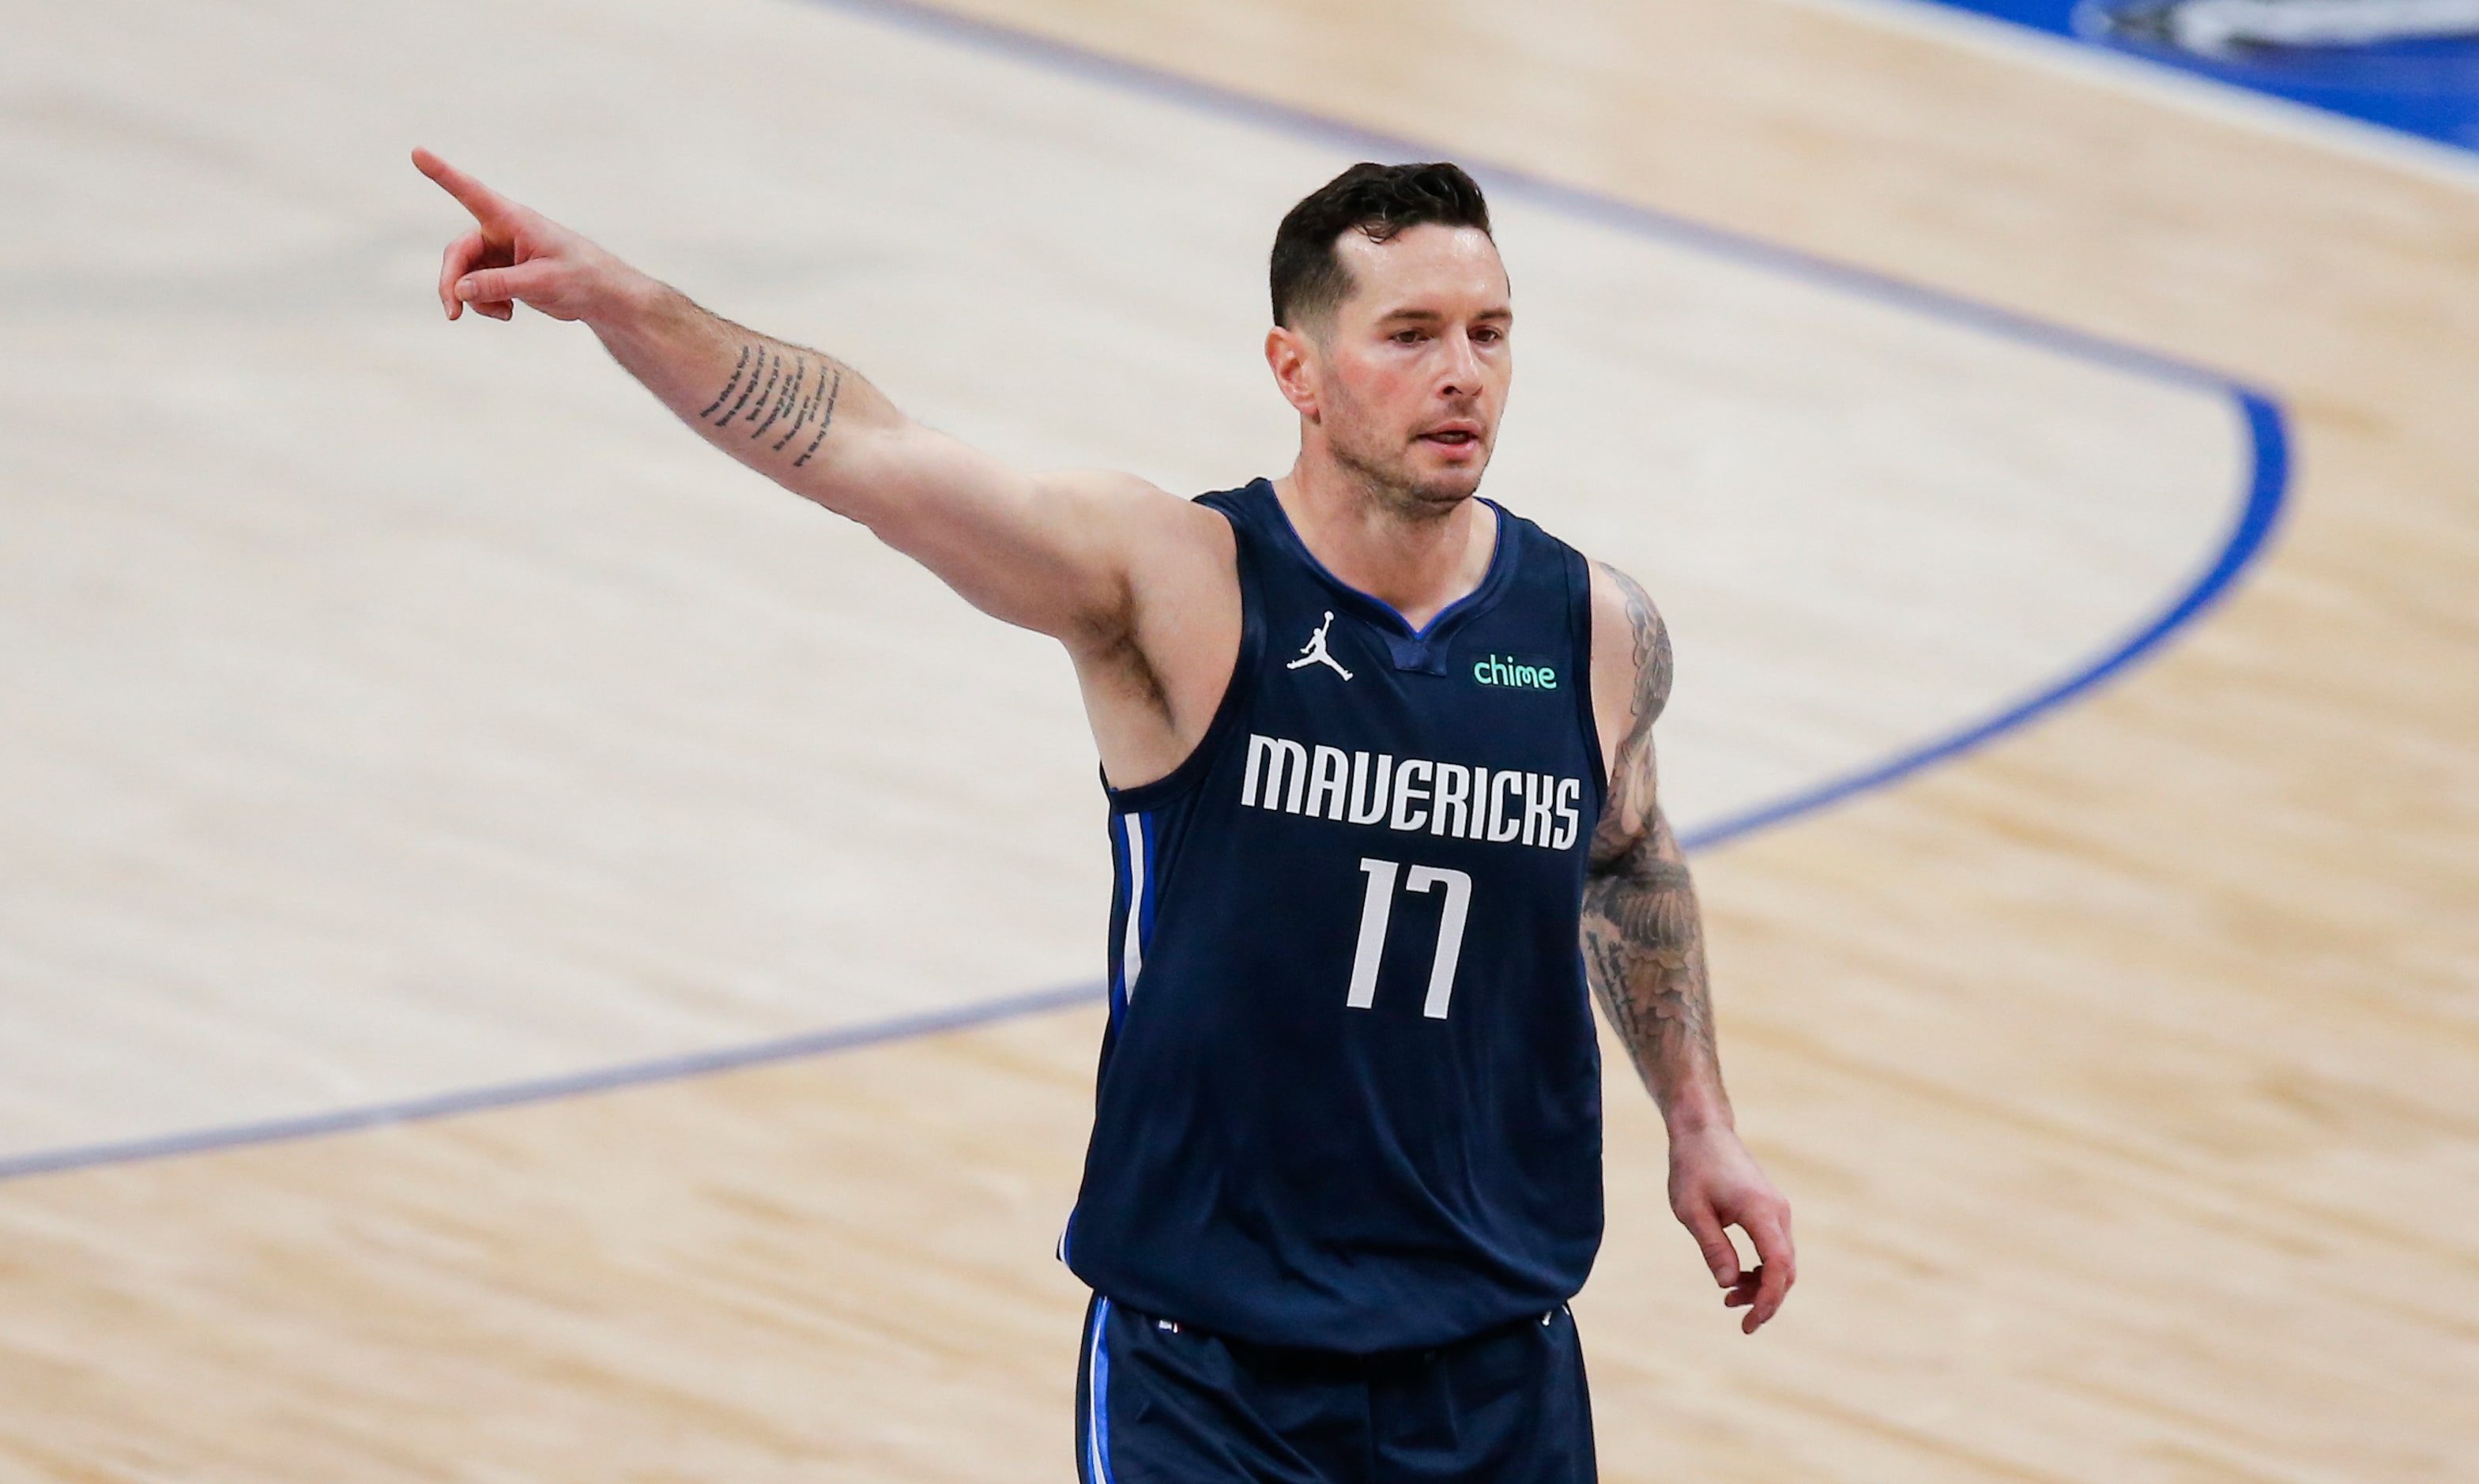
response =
{"points": [[1379, 762]]}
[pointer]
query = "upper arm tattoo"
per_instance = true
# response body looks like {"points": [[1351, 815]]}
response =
{"points": [[1644, 937], [1626, 818]]}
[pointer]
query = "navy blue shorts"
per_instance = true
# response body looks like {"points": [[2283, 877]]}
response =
{"points": [[1159, 1403]]}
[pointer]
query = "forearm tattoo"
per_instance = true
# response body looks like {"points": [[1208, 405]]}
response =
{"points": [[772, 385], [1644, 937], [1643, 944]]}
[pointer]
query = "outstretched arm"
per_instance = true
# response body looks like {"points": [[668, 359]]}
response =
{"points": [[1047, 551], [1643, 947]]}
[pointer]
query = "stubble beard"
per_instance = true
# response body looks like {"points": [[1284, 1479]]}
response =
{"points": [[1387, 475]]}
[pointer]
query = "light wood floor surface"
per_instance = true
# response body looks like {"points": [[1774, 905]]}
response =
{"points": [[401, 709], [2122, 1072]]}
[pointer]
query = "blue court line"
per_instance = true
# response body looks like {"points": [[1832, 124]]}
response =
{"points": [[2260, 510], [1198, 95], [2252, 526], [697, 1063]]}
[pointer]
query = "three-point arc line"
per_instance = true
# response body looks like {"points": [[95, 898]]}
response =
{"points": [[2250, 530]]}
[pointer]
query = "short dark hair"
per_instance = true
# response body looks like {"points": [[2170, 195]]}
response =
{"points": [[1378, 201]]}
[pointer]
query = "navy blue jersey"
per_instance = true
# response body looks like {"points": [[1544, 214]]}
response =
{"points": [[1350, 1098]]}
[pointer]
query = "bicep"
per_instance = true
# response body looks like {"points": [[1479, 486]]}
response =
{"points": [[1631, 821], [1046, 551], [1631, 670]]}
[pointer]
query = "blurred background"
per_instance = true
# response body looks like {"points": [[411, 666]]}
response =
{"points": [[526, 952]]}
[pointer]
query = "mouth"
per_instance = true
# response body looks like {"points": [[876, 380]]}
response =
{"points": [[1459, 435]]}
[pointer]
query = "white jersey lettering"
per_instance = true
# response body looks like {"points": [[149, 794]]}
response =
{"points": [[1412, 795]]}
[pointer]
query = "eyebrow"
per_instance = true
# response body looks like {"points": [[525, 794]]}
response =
{"points": [[1431, 315]]}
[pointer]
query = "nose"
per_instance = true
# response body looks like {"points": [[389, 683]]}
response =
{"points": [[1462, 369]]}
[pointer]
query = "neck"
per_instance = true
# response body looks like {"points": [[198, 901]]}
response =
{"points": [[1416, 559]]}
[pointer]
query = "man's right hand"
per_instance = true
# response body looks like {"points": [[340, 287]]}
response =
{"points": [[516, 254]]}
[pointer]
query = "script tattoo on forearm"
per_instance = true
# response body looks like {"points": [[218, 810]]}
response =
{"points": [[825, 419], [770, 386], [791, 392], [1644, 937], [727, 386]]}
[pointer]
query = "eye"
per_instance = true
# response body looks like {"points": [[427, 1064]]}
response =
{"points": [[1489, 334], [1408, 337]]}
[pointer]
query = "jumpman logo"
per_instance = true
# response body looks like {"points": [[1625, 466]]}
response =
{"points": [[1314, 653]]}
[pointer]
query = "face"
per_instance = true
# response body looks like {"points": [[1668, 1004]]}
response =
{"points": [[1403, 386]]}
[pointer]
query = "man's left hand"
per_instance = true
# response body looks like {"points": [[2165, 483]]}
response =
{"points": [[1714, 1184]]}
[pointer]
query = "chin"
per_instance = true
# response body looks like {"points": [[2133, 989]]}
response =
{"points": [[1414, 483], [1451, 484]]}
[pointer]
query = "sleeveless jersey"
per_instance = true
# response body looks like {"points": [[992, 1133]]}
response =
{"points": [[1349, 1095]]}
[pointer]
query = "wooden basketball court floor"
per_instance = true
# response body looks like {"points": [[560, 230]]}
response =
{"points": [[525, 954]]}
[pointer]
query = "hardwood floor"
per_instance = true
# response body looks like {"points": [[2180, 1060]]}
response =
{"points": [[2121, 1070]]}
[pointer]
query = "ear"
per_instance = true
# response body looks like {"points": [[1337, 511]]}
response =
{"points": [[1293, 361]]}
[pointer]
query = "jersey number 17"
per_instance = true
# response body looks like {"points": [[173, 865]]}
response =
{"points": [[1377, 907]]}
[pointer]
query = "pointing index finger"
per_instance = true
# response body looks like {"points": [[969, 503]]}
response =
{"points": [[489, 208]]}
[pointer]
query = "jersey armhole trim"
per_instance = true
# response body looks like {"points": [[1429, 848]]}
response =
{"points": [[1199, 761], [1580, 621]]}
